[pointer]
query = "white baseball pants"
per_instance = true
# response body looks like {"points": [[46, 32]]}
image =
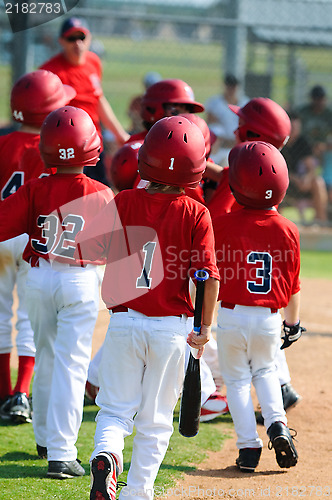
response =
{"points": [[13, 270], [248, 338], [141, 376], [63, 305], [208, 385]]}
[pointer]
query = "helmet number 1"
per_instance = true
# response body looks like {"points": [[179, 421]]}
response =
{"points": [[171, 164], [66, 154]]}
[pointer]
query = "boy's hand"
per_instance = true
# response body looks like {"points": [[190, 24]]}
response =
{"points": [[197, 341]]}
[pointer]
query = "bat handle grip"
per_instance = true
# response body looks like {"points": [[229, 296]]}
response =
{"points": [[201, 276], [194, 351]]}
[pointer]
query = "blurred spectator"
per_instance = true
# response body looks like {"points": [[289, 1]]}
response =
{"points": [[327, 166], [221, 120], [306, 186], [316, 117], [134, 108]]}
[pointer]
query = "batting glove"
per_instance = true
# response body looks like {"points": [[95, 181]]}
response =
{"points": [[292, 333]]}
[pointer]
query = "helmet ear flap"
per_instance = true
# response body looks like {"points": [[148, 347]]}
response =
{"points": [[264, 120]]}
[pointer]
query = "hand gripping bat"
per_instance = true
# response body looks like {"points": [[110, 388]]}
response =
{"points": [[190, 408]]}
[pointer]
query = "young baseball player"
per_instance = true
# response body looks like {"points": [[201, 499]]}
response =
{"points": [[258, 256], [154, 239], [264, 120], [261, 119], [62, 293], [33, 97], [162, 99]]}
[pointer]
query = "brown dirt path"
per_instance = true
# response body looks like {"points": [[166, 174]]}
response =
{"points": [[310, 363]]}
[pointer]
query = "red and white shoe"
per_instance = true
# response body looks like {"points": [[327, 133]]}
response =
{"points": [[215, 406], [104, 475]]}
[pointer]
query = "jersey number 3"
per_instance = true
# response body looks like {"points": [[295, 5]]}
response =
{"points": [[263, 281]]}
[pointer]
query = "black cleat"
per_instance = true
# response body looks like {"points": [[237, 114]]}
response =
{"points": [[64, 470], [5, 406], [20, 409], [290, 397], [42, 451], [282, 442], [248, 459]]}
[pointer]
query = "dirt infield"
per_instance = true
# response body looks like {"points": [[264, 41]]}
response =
{"points": [[311, 370], [310, 365]]}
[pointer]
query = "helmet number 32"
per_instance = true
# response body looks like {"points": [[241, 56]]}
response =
{"points": [[66, 154]]}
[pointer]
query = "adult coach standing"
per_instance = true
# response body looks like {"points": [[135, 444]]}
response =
{"points": [[77, 66]]}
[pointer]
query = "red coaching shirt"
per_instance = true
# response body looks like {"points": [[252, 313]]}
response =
{"points": [[222, 200], [52, 210], [153, 243], [85, 78], [20, 161], [258, 256]]}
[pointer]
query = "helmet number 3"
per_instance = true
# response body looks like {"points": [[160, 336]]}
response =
{"points": [[66, 154], [268, 194]]}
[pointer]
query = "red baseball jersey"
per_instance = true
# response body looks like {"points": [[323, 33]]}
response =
{"points": [[153, 243], [20, 161], [222, 200], [52, 210], [139, 137], [85, 78], [258, 256]]}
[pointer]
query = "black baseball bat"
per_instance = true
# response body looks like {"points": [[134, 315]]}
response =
{"points": [[190, 408]]}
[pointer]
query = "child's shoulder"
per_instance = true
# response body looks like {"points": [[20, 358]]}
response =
{"points": [[287, 224]]}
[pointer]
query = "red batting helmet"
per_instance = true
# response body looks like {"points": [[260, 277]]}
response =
{"points": [[69, 138], [173, 153], [263, 120], [36, 94], [203, 126], [124, 166], [258, 174], [165, 92]]}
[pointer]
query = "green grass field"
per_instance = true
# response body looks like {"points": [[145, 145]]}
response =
{"points": [[316, 264], [23, 474], [126, 60]]}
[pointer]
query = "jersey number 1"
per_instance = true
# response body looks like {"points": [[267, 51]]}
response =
{"points": [[144, 281]]}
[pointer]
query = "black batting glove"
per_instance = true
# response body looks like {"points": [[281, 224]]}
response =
{"points": [[292, 333]]}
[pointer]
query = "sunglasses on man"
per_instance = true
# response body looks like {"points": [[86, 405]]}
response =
{"points": [[74, 38]]}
